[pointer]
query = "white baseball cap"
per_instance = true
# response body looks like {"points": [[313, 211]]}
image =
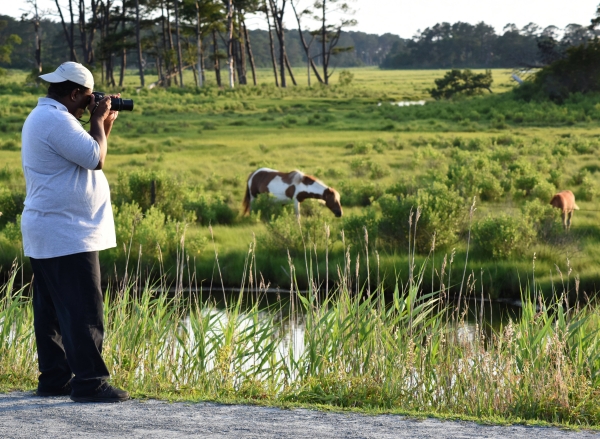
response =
{"points": [[71, 71]]}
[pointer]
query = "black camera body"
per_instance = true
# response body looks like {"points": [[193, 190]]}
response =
{"points": [[116, 104]]}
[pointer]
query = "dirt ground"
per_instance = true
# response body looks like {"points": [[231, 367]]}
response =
{"points": [[23, 415]]}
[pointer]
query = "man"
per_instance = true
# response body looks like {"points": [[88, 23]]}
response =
{"points": [[67, 220]]}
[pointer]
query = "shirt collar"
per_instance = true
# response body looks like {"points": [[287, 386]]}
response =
{"points": [[53, 102]]}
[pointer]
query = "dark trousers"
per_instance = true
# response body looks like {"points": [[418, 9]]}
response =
{"points": [[68, 322]]}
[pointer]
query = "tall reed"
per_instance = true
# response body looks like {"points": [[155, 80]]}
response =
{"points": [[404, 350]]}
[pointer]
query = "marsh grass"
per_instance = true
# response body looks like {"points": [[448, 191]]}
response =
{"points": [[506, 152], [351, 346]]}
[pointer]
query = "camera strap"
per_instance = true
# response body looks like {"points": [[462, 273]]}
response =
{"points": [[91, 113]]}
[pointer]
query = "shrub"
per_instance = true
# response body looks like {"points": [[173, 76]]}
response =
{"points": [[346, 78], [544, 191], [284, 232], [581, 175], [502, 236], [354, 227], [541, 215], [588, 189], [153, 232], [443, 213], [151, 189], [266, 207], [211, 209], [359, 194], [475, 175], [11, 234], [11, 206]]}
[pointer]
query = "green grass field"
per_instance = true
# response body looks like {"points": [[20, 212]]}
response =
{"points": [[353, 137], [453, 196]]}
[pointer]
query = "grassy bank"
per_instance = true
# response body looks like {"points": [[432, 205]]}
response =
{"points": [[408, 352], [200, 146]]}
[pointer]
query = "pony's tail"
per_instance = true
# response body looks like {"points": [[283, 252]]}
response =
{"points": [[575, 206], [246, 203]]}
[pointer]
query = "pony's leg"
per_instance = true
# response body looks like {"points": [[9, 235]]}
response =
{"points": [[569, 216], [297, 207], [564, 220]]}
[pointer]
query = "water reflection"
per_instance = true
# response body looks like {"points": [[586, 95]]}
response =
{"points": [[470, 316]]}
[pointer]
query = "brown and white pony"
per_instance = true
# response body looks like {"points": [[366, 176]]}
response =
{"points": [[565, 201], [288, 186]]}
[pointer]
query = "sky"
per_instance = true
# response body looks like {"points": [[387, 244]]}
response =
{"points": [[407, 17]]}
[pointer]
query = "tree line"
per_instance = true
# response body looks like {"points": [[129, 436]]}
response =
{"points": [[169, 36], [463, 45]]}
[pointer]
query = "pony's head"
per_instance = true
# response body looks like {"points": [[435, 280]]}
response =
{"points": [[332, 201]]}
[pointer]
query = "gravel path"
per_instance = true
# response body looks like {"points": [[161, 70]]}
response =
{"points": [[23, 415]]}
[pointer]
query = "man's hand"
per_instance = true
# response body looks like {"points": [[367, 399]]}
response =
{"points": [[99, 110], [101, 122]]}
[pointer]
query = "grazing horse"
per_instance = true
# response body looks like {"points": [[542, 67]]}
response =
{"points": [[287, 186], [565, 201]]}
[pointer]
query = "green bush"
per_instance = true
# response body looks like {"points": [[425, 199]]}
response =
{"points": [[475, 174], [266, 207], [580, 176], [211, 209], [502, 236], [354, 227], [359, 194], [11, 206], [346, 77], [11, 236], [544, 191], [285, 233], [151, 233], [143, 187], [588, 189], [542, 217], [443, 213]]}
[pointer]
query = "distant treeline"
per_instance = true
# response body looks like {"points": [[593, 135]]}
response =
{"points": [[210, 37], [367, 49], [463, 45]]}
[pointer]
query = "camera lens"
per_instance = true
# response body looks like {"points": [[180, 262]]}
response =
{"points": [[118, 104]]}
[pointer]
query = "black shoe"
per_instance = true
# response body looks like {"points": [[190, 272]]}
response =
{"points": [[63, 391], [106, 393]]}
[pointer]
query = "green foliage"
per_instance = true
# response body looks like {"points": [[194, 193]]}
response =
{"points": [[7, 44], [211, 209], [359, 193], [151, 189], [544, 191], [266, 207], [11, 206], [11, 234], [476, 175], [542, 218], [461, 83], [286, 233], [150, 234], [442, 213], [588, 190], [577, 72], [503, 236], [354, 227], [345, 78]]}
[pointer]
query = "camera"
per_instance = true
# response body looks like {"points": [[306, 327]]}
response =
{"points": [[116, 104]]}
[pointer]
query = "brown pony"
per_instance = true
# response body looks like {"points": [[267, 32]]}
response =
{"points": [[565, 201]]}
